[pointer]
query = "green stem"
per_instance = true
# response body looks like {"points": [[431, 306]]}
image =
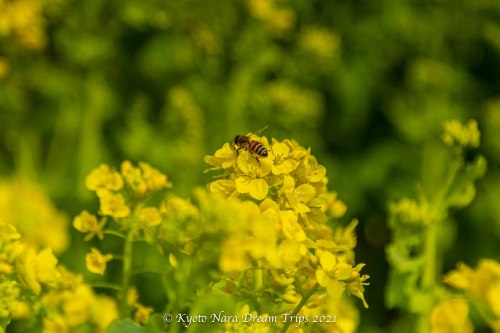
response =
{"points": [[429, 275], [258, 275], [299, 306], [127, 268], [108, 285]]}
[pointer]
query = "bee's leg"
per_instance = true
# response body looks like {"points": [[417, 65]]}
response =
{"points": [[238, 151], [257, 159]]}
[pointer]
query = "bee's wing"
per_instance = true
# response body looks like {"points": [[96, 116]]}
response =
{"points": [[258, 131]]}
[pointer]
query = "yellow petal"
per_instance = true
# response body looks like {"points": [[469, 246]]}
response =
{"points": [[316, 174], [322, 277], [259, 189], [327, 260], [243, 184], [305, 192], [343, 271], [280, 150]]}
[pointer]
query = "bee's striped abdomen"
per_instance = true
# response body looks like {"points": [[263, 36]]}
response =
{"points": [[257, 148]]}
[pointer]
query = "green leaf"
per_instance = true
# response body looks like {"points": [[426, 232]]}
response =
{"points": [[155, 324], [125, 326]]}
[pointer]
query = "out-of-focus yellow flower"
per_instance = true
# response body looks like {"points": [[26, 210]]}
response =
{"points": [[36, 268], [320, 42], [21, 310], [480, 285], [32, 218], [24, 21], [113, 204], [77, 306], [451, 316], [142, 313], [55, 325], [149, 216], [462, 135], [246, 324], [104, 312], [103, 178], [143, 179], [96, 261], [72, 306], [9, 295], [279, 18], [87, 223]]}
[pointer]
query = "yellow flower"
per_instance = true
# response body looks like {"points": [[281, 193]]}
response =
{"points": [[451, 316], [87, 223], [103, 178], [55, 325], [224, 158], [113, 204], [320, 42], [9, 295], [153, 178], [96, 261], [104, 312], [77, 306], [32, 218], [463, 135], [284, 164], [142, 313], [143, 179], [34, 269], [149, 216]]}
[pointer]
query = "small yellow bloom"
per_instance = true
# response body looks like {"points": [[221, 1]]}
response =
{"points": [[153, 178], [105, 311], [463, 135], [104, 178], [55, 325], [142, 313], [34, 269], [96, 261], [451, 316], [87, 223], [149, 216], [113, 204]]}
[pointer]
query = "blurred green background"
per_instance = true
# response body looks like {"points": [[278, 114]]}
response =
{"points": [[367, 85]]}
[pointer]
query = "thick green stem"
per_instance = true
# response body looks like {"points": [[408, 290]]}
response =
{"points": [[299, 306], [127, 268]]}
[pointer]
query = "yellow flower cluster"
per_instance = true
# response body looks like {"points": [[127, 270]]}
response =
{"points": [[481, 286], [73, 305], [32, 283], [462, 135], [118, 193], [290, 189]]}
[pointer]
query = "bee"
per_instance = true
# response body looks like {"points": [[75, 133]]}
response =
{"points": [[253, 146]]}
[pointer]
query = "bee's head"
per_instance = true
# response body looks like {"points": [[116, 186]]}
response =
{"points": [[237, 139]]}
